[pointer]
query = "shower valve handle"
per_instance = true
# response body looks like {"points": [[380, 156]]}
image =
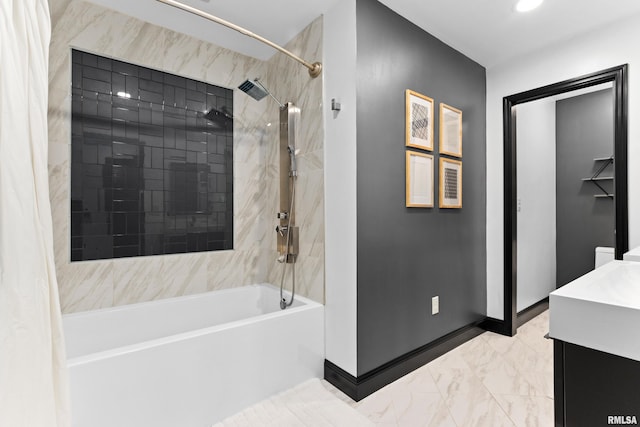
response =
{"points": [[281, 229]]}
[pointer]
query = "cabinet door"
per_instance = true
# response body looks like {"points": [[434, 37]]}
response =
{"points": [[598, 386]]}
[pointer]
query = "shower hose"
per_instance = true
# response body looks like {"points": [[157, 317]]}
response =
{"points": [[283, 301]]}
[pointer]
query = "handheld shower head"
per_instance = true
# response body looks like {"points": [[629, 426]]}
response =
{"points": [[292, 156], [257, 91]]}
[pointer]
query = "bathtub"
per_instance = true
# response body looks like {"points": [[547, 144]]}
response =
{"points": [[189, 361]]}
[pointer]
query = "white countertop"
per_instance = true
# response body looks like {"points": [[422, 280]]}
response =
{"points": [[600, 310], [632, 255]]}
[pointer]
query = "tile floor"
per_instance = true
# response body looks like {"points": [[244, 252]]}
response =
{"points": [[490, 381]]}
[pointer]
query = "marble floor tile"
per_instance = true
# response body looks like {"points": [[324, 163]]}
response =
{"points": [[481, 356], [459, 382], [528, 411], [524, 357], [421, 410], [541, 381], [309, 404], [378, 407], [337, 393], [419, 381], [501, 377], [449, 361], [537, 342], [489, 381], [486, 413], [502, 344]]}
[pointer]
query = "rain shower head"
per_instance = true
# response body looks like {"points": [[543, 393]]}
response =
{"points": [[221, 118], [253, 90], [257, 91]]}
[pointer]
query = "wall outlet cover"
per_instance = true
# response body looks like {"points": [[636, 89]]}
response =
{"points": [[435, 305]]}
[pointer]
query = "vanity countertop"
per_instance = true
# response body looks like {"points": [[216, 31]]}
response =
{"points": [[600, 310]]}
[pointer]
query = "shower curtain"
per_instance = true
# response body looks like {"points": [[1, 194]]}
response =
{"points": [[33, 377]]}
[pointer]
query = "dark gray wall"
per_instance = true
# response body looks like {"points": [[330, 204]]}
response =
{"points": [[408, 255], [584, 131]]}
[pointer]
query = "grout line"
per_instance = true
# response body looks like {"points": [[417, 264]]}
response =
{"points": [[442, 397]]}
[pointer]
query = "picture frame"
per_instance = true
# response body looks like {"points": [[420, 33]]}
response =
{"points": [[450, 131], [419, 176], [450, 194], [419, 120]]}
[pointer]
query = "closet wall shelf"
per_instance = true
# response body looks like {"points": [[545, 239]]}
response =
{"points": [[598, 178], [606, 161]]}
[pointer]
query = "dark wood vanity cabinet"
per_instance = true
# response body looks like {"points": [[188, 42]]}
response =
{"points": [[593, 388]]}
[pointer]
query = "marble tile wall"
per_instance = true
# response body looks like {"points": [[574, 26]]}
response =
{"points": [[92, 285], [306, 93]]}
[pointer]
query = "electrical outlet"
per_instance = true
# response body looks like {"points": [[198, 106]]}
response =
{"points": [[435, 305]]}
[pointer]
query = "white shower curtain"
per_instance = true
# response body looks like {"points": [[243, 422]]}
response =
{"points": [[33, 376]]}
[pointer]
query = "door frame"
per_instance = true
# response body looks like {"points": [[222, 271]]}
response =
{"points": [[618, 77]]}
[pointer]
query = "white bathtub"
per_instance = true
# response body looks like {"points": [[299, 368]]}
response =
{"points": [[189, 361]]}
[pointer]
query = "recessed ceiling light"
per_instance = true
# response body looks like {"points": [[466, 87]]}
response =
{"points": [[527, 5]]}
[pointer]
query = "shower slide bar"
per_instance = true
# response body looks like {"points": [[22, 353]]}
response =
{"points": [[315, 69]]}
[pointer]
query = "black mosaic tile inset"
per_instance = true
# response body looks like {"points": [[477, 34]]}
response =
{"points": [[150, 174]]}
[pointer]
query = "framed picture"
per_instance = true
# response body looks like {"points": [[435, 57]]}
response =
{"points": [[419, 180], [419, 121], [450, 131], [450, 183]]}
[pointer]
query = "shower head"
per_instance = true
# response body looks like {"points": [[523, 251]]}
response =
{"points": [[222, 118], [257, 91], [253, 90]]}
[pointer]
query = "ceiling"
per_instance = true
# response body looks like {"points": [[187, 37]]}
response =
{"points": [[488, 31]]}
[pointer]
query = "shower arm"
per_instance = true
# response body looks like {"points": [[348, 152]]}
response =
{"points": [[315, 69]]}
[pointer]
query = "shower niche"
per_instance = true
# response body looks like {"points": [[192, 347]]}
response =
{"points": [[151, 162]]}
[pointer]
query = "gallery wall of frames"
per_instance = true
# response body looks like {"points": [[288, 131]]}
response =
{"points": [[420, 162]]}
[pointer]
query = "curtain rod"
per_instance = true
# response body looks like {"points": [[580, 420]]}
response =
{"points": [[315, 69]]}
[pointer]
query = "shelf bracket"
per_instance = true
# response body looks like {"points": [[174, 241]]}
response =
{"points": [[606, 161]]}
